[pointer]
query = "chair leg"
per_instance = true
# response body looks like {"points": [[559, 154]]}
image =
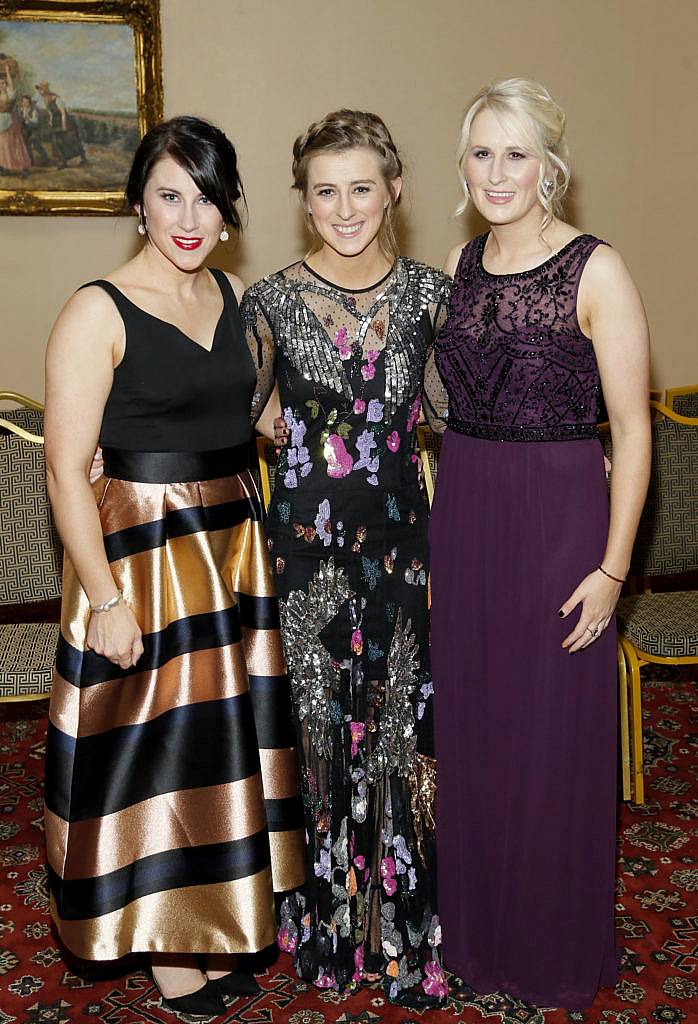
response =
{"points": [[638, 780], [623, 721]]}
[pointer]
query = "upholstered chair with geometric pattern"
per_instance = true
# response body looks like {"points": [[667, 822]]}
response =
{"points": [[683, 400], [30, 555], [661, 628], [266, 456], [429, 444]]}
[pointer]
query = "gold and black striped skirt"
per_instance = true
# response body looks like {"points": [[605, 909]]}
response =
{"points": [[172, 803]]}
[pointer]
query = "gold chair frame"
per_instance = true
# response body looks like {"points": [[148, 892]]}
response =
{"points": [[27, 403], [426, 465], [672, 393], [631, 659], [262, 443]]}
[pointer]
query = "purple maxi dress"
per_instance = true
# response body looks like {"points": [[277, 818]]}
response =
{"points": [[525, 732]]}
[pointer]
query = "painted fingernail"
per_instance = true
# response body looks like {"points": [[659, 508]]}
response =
{"points": [[561, 613]]}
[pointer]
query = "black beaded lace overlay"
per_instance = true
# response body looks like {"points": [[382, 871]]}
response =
{"points": [[512, 355]]}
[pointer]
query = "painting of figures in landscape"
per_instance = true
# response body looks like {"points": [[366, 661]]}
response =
{"points": [[68, 105]]}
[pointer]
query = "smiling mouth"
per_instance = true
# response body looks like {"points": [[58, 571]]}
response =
{"points": [[186, 243], [499, 197], [348, 230]]}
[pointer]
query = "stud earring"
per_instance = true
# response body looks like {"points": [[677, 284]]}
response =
{"points": [[386, 205], [224, 236], [548, 186]]}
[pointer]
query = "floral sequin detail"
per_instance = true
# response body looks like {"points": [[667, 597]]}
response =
{"points": [[342, 343], [368, 370], [339, 461]]}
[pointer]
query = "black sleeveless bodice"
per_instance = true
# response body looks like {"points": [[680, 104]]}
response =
{"points": [[171, 394]]}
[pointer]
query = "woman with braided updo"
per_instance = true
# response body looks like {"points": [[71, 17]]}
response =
{"points": [[346, 333]]}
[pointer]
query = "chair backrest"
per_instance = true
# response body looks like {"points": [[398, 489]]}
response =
{"points": [[429, 450], [30, 551], [667, 537], [684, 401], [266, 455]]}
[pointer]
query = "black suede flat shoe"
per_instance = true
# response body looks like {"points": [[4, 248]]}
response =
{"points": [[414, 1000], [236, 984], [206, 1001]]}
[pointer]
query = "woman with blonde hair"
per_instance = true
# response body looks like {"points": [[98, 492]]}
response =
{"points": [[527, 568], [346, 332]]}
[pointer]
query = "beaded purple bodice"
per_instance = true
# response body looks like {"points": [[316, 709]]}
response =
{"points": [[512, 355]]}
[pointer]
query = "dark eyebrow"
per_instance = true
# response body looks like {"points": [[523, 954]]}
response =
{"points": [[166, 188], [331, 184]]}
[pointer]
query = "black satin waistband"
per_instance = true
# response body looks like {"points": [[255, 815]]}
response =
{"points": [[175, 467]]}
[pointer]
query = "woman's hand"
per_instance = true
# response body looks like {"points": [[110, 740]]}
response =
{"points": [[116, 635], [97, 467], [280, 432], [598, 596]]}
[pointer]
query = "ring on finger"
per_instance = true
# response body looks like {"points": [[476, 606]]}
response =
{"points": [[594, 631]]}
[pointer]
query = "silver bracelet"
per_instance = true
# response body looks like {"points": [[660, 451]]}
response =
{"points": [[106, 606]]}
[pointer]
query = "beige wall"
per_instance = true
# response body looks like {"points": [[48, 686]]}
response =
{"points": [[625, 71]]}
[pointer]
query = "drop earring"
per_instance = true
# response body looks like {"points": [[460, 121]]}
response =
{"points": [[548, 186], [224, 236], [141, 227]]}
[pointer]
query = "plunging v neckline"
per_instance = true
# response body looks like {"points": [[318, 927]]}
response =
{"points": [[183, 334]]}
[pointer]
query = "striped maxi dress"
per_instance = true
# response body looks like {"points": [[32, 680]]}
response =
{"points": [[172, 807]]}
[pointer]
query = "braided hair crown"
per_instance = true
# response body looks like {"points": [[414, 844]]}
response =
{"points": [[345, 129], [351, 129]]}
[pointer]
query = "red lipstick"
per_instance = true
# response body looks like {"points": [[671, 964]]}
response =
{"points": [[188, 244]]}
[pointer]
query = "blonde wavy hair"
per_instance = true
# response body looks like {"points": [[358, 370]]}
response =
{"points": [[529, 111], [335, 133]]}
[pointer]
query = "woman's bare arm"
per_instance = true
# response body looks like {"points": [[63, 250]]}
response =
{"points": [[86, 342], [611, 311]]}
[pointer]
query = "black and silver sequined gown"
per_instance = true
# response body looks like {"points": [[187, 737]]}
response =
{"points": [[348, 540]]}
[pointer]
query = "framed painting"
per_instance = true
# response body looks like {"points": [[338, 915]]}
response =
{"points": [[80, 83]]}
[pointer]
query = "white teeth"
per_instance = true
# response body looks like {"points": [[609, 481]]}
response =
{"points": [[500, 195], [348, 230]]}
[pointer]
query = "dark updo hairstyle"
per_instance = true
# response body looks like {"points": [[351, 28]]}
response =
{"points": [[203, 151]]}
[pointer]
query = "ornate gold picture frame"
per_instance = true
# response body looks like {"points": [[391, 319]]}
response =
{"points": [[80, 84]]}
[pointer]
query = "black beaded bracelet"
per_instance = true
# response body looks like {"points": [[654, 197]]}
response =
{"points": [[610, 575]]}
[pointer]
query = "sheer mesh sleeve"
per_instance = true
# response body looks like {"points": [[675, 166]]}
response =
{"points": [[260, 339], [434, 394]]}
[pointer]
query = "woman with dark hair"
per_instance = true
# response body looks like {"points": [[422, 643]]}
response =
{"points": [[346, 333], [172, 810]]}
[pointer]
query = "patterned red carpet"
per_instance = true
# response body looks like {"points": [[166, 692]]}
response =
{"points": [[657, 912]]}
